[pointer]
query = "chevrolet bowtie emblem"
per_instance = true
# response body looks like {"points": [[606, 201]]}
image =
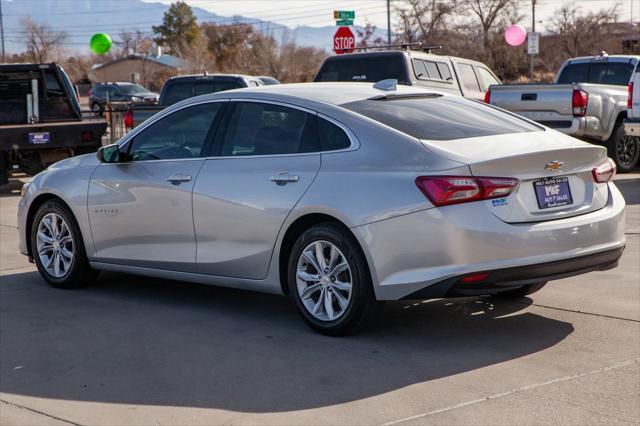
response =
{"points": [[554, 165]]}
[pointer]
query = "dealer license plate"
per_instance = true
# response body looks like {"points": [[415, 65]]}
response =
{"points": [[39, 138], [553, 192]]}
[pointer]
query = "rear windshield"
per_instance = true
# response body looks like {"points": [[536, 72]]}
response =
{"points": [[179, 91], [614, 73], [364, 68], [441, 117]]}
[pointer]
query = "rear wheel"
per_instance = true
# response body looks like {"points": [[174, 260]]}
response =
{"points": [[520, 292], [57, 247], [624, 149], [329, 281]]}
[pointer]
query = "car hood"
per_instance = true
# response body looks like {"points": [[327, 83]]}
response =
{"points": [[78, 160]]}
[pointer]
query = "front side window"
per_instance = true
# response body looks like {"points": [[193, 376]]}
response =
{"points": [[132, 89], [266, 129], [177, 136]]}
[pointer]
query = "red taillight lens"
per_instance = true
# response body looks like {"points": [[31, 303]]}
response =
{"points": [[604, 172], [630, 95], [579, 101], [487, 97], [475, 277], [446, 190], [87, 136], [128, 119]]}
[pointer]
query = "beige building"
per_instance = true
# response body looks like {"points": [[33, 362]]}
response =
{"points": [[147, 70]]}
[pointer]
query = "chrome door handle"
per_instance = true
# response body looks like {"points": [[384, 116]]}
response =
{"points": [[178, 178], [284, 178]]}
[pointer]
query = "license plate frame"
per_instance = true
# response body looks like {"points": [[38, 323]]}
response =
{"points": [[39, 138], [553, 192]]}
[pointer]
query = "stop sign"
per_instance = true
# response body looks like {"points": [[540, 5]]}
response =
{"points": [[343, 41]]}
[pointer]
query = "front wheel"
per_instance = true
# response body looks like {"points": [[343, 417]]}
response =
{"points": [[57, 247], [624, 149], [330, 282]]}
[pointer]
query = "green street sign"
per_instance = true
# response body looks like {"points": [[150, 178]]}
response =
{"points": [[344, 15], [344, 22]]}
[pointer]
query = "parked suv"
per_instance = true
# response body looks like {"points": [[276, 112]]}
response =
{"points": [[103, 93], [448, 74]]}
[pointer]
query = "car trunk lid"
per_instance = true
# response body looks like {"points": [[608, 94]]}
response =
{"points": [[554, 173]]}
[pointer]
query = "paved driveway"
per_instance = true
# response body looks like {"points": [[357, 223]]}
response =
{"points": [[133, 350]]}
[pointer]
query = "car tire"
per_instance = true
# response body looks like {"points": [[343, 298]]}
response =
{"points": [[341, 300], [57, 247], [623, 149], [97, 109], [520, 292]]}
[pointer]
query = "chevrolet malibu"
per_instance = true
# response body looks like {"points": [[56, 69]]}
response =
{"points": [[339, 195]]}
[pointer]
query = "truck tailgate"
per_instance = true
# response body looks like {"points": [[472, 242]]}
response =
{"points": [[543, 103], [59, 134]]}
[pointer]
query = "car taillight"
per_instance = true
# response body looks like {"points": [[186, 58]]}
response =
{"points": [[579, 101], [87, 136], [604, 172], [446, 190], [128, 119], [487, 96], [630, 95]]}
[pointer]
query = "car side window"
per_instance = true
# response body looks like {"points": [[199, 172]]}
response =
{"points": [[267, 129], [468, 77], [486, 78], [331, 136], [177, 136], [445, 72]]}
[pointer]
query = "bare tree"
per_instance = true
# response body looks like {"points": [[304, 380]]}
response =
{"points": [[367, 36], [422, 21], [582, 34], [41, 41], [132, 41], [488, 13]]}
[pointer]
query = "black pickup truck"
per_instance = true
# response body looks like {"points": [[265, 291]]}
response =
{"points": [[40, 119], [182, 87]]}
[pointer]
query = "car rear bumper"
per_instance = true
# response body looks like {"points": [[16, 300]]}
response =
{"points": [[504, 279], [632, 127], [413, 252]]}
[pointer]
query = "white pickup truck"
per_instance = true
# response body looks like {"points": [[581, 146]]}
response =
{"points": [[632, 122], [588, 100]]}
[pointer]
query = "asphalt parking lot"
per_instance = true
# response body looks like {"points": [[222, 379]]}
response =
{"points": [[131, 350]]}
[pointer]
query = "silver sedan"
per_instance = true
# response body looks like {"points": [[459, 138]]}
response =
{"points": [[340, 195]]}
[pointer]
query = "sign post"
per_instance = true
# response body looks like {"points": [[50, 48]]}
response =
{"points": [[533, 49], [344, 41]]}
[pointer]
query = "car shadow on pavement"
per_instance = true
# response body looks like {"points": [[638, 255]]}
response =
{"points": [[630, 189], [134, 340]]}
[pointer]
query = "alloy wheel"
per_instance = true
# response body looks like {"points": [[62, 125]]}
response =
{"points": [[324, 280], [55, 245], [626, 150]]}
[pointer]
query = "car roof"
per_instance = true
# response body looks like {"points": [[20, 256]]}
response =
{"points": [[335, 93], [603, 58], [207, 76], [408, 53]]}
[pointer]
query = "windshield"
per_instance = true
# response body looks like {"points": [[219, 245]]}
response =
{"points": [[614, 73], [441, 117], [132, 89]]}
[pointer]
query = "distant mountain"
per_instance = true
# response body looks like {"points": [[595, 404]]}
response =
{"points": [[83, 18]]}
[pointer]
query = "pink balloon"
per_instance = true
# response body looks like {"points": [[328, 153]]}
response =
{"points": [[515, 35]]}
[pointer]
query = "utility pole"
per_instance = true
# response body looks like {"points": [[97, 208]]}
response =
{"points": [[2, 59], [389, 22], [533, 30]]}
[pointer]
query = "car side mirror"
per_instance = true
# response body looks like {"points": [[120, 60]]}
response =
{"points": [[109, 153]]}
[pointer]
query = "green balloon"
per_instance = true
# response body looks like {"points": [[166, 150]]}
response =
{"points": [[100, 43]]}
